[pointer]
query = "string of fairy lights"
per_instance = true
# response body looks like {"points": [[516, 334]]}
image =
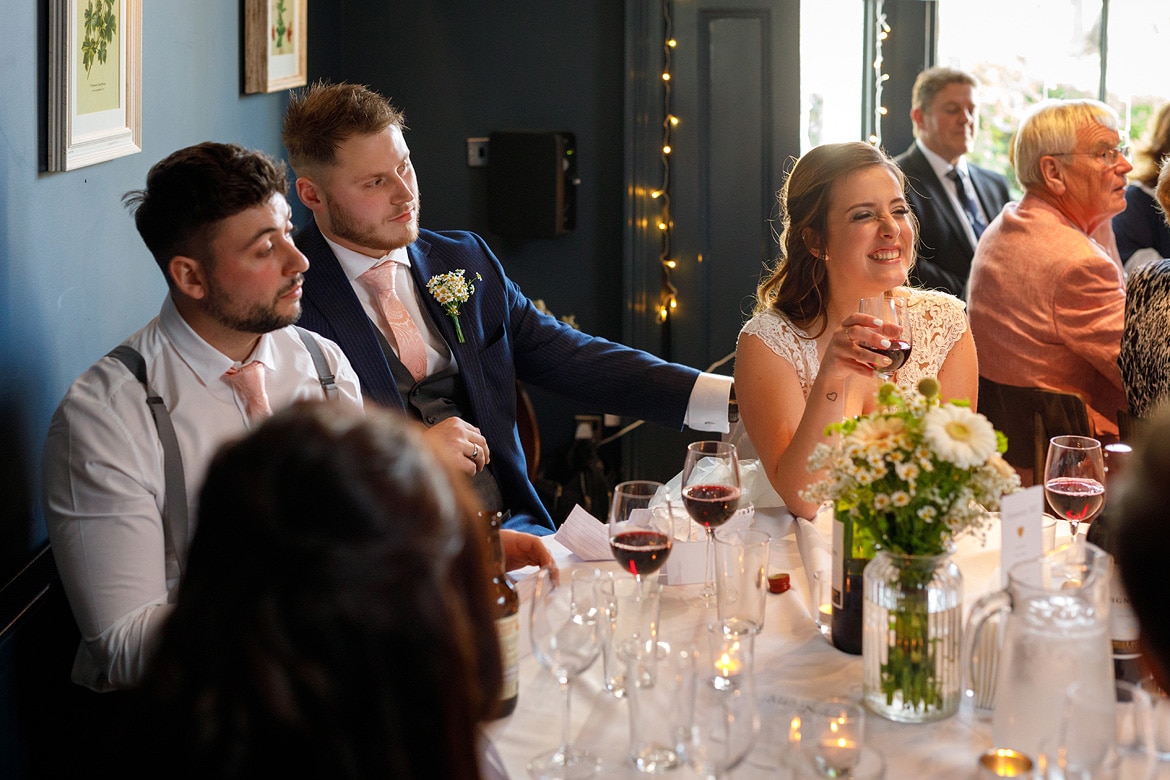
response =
{"points": [[668, 299], [881, 32]]}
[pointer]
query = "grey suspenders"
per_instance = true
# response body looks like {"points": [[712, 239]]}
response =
{"points": [[176, 526]]}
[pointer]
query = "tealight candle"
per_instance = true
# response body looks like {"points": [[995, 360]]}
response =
{"points": [[731, 654], [727, 666], [1002, 762], [837, 756]]}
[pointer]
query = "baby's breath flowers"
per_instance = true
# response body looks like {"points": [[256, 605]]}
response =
{"points": [[916, 474], [451, 290]]}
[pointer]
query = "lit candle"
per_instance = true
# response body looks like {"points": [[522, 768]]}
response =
{"points": [[728, 666], [837, 755], [1001, 762]]}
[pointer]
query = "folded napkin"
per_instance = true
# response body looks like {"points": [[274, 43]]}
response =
{"points": [[815, 542]]}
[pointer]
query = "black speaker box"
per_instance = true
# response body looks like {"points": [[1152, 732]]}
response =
{"points": [[532, 183]]}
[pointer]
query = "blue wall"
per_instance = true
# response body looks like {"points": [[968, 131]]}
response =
{"points": [[75, 278]]}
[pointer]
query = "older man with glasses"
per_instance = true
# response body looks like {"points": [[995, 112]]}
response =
{"points": [[1046, 292]]}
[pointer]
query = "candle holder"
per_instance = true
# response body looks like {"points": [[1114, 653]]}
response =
{"points": [[731, 654], [836, 729]]}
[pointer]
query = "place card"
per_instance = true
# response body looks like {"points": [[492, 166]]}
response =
{"points": [[1021, 523], [585, 536]]}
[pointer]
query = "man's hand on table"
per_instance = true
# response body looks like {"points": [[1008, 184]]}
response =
{"points": [[521, 549]]}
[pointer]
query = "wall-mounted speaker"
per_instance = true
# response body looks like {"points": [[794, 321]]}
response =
{"points": [[532, 183]]}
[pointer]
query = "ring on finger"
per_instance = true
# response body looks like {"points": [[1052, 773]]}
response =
{"points": [[475, 452]]}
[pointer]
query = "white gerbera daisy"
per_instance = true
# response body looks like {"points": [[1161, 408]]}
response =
{"points": [[879, 435], [959, 435]]}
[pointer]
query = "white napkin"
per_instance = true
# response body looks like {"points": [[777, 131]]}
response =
{"points": [[815, 542]]}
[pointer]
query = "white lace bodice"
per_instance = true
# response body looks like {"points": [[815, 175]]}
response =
{"points": [[938, 321]]}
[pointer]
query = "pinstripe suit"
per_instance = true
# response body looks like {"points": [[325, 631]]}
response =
{"points": [[506, 338]]}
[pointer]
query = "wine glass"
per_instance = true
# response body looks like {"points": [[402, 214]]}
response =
{"points": [[640, 527], [710, 491], [1074, 479], [892, 311], [566, 638]]}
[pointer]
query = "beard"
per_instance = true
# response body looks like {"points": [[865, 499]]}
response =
{"points": [[257, 318], [382, 238]]}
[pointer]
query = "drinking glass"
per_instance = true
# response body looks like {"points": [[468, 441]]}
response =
{"points": [[566, 638], [892, 311], [836, 729], [722, 720], [1074, 479], [710, 492]]}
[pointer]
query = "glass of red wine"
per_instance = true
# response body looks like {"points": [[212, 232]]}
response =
{"points": [[891, 309], [640, 527], [710, 493], [1074, 479]]}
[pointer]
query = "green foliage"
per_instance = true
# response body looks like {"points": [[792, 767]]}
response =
{"points": [[280, 28], [100, 26]]}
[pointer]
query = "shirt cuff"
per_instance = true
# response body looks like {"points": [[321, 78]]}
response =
{"points": [[707, 407]]}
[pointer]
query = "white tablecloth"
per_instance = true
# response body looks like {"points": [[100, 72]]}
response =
{"points": [[793, 663]]}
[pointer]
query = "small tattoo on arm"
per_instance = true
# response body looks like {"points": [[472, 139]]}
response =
{"points": [[831, 396]]}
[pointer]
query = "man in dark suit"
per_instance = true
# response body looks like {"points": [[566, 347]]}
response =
{"points": [[456, 372], [953, 200]]}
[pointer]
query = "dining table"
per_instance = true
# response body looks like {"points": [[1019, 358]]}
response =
{"points": [[794, 665]]}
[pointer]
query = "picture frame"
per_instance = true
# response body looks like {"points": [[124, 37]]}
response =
{"points": [[275, 43], [95, 81]]}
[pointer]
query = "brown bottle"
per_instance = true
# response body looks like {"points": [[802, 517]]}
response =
{"points": [[507, 605]]}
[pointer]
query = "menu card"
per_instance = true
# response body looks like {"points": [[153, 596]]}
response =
{"points": [[1021, 521]]}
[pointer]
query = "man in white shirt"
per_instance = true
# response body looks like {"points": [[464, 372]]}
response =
{"points": [[953, 200], [458, 377], [216, 220]]}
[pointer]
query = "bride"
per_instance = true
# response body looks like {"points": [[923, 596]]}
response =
{"points": [[801, 361]]}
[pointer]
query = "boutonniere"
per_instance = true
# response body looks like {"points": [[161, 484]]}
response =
{"points": [[451, 290]]}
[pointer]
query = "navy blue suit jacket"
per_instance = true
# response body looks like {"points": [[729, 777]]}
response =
{"points": [[944, 251], [506, 338]]}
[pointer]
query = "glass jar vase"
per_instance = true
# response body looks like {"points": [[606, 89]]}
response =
{"points": [[911, 636]]}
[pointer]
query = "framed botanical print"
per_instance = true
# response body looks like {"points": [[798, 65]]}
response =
{"points": [[274, 45], [95, 81]]}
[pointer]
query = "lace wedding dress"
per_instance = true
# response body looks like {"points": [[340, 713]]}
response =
{"points": [[938, 321]]}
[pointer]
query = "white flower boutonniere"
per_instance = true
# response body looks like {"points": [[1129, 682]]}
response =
{"points": [[451, 290]]}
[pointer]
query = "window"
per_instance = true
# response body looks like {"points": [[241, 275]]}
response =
{"points": [[1024, 51], [831, 38]]}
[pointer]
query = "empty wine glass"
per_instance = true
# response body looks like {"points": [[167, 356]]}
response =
{"points": [[1074, 479], [710, 492], [892, 311], [566, 639]]}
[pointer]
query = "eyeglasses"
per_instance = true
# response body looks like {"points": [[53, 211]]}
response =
{"points": [[1107, 157]]}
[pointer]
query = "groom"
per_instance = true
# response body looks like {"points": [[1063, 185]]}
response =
{"points": [[366, 289]]}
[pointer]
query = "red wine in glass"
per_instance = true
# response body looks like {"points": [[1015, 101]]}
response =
{"points": [[711, 505], [898, 353], [640, 552], [1075, 498]]}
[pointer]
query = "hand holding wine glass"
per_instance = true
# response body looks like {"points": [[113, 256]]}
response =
{"points": [[710, 491], [640, 527], [566, 639], [1074, 479], [891, 310]]}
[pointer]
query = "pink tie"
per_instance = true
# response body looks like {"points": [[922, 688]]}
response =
{"points": [[248, 382], [411, 351]]}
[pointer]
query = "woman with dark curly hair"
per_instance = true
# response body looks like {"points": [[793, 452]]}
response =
{"points": [[334, 620]]}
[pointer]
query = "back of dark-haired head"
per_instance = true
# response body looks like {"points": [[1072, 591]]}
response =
{"points": [[321, 117], [798, 285], [1153, 148], [1142, 538], [334, 616], [191, 191], [932, 81]]}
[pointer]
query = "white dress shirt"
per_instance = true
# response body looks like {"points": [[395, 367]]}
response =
{"points": [[706, 409], [941, 168], [103, 476]]}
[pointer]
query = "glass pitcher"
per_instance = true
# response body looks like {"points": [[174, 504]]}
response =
{"points": [[1055, 631]]}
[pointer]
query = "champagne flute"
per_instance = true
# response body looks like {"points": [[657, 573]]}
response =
{"points": [[891, 310], [1074, 479], [566, 639], [710, 491]]}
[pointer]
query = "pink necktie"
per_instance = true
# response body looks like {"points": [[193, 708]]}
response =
{"points": [[248, 381], [411, 351]]}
